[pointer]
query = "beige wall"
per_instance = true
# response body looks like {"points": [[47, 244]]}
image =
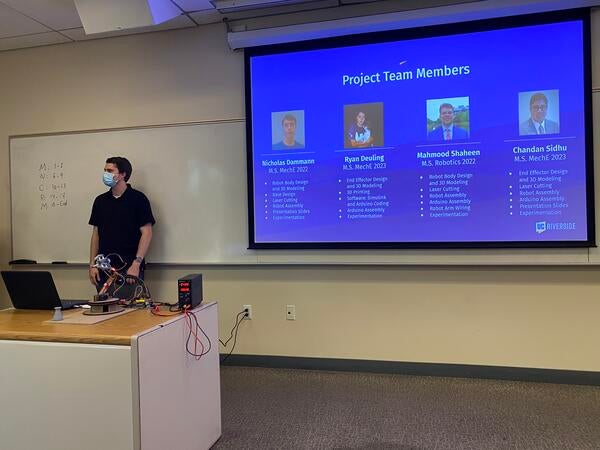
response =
{"points": [[511, 316]]}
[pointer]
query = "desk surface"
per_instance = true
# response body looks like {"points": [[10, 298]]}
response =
{"points": [[28, 325]]}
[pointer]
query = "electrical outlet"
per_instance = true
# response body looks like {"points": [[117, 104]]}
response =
{"points": [[248, 309], [290, 312]]}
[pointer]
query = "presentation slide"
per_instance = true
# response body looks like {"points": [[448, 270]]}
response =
{"points": [[473, 138]]}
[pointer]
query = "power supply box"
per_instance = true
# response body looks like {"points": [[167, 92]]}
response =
{"points": [[189, 291]]}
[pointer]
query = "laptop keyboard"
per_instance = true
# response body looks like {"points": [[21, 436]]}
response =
{"points": [[68, 304]]}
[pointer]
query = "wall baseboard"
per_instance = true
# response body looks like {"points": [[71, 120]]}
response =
{"points": [[418, 369]]}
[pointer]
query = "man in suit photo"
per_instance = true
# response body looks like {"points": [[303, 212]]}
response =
{"points": [[447, 131], [537, 122]]}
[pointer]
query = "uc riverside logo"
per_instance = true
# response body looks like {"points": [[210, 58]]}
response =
{"points": [[540, 227]]}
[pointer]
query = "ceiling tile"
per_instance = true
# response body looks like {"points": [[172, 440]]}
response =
{"points": [[205, 17], [182, 21], [13, 23], [194, 5], [32, 40], [56, 14]]}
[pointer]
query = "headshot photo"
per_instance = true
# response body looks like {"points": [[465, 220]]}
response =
{"points": [[287, 130], [448, 119], [538, 112], [363, 125]]}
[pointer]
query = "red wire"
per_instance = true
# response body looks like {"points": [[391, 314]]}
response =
{"points": [[157, 312], [197, 340]]}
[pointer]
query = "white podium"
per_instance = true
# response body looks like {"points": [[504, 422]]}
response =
{"points": [[126, 383]]}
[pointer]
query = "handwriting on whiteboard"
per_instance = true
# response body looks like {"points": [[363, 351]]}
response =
{"points": [[52, 185]]}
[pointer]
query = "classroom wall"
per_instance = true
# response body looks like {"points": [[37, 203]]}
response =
{"points": [[539, 316]]}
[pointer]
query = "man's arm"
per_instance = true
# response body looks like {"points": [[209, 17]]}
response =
{"points": [[142, 249], [145, 240], [94, 245]]}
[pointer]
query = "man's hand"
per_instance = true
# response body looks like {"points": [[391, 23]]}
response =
{"points": [[134, 270], [94, 276]]}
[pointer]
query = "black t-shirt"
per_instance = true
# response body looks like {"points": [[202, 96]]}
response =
{"points": [[119, 221]]}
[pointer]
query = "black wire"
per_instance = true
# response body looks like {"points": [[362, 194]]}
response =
{"points": [[187, 342], [237, 327], [237, 323], [232, 334], [118, 256], [200, 328], [138, 282], [121, 281]]}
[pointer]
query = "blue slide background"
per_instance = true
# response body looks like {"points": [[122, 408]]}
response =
{"points": [[502, 63]]}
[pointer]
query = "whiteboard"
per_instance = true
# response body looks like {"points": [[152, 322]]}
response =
{"points": [[193, 174]]}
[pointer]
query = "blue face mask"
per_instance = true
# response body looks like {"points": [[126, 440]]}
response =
{"points": [[108, 179]]}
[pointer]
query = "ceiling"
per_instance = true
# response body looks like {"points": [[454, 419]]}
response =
{"points": [[32, 23]]}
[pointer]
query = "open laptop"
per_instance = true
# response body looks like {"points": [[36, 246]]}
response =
{"points": [[34, 290]]}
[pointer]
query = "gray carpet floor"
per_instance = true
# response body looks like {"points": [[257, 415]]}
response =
{"points": [[300, 409]]}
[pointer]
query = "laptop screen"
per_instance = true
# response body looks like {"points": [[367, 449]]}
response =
{"points": [[31, 289]]}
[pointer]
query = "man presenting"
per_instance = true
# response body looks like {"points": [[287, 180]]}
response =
{"points": [[122, 220], [447, 131]]}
